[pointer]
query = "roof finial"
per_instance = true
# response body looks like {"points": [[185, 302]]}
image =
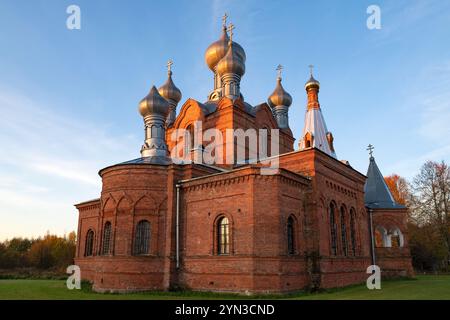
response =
{"points": [[279, 69], [224, 20], [230, 30], [311, 67], [370, 149], [169, 66]]}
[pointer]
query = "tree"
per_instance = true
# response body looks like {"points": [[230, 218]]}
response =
{"points": [[399, 188], [431, 202]]}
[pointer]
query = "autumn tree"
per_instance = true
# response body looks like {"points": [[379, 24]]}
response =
{"points": [[399, 188], [430, 203]]}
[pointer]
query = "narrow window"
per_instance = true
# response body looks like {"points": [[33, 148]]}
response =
{"points": [[291, 236], [189, 139], [223, 236], [142, 238], [333, 230], [353, 231], [89, 247], [106, 248], [344, 232]]}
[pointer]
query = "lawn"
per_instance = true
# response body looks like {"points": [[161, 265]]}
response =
{"points": [[424, 287]]}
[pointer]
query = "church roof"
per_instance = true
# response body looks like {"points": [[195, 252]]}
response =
{"points": [[315, 125], [376, 191]]}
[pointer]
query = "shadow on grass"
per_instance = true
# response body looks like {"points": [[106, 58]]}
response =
{"points": [[183, 293]]}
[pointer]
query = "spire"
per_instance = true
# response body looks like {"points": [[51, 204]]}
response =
{"points": [[376, 191], [315, 133], [312, 87]]}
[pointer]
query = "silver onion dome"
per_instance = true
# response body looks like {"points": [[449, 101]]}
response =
{"points": [[153, 104], [279, 96], [169, 90], [232, 62], [218, 49]]}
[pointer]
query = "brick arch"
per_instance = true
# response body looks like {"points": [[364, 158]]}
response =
{"points": [[189, 113], [146, 203], [124, 205], [264, 117], [109, 204]]}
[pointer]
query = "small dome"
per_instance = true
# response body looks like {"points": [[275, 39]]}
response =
{"points": [[279, 97], [169, 90], [312, 83], [218, 49], [232, 62], [153, 103]]}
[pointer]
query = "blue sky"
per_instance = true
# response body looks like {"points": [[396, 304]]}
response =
{"points": [[68, 98]]}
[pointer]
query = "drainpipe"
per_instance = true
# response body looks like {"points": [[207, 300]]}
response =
{"points": [[177, 228], [372, 240]]}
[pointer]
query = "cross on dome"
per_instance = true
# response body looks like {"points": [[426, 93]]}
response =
{"points": [[224, 20], [169, 66], [279, 70], [230, 30]]}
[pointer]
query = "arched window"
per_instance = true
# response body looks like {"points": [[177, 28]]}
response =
{"points": [[353, 230], [381, 240], [223, 236], [396, 238], [189, 139], [344, 232], [291, 235], [89, 246], [106, 245], [308, 140], [333, 232], [142, 238]]}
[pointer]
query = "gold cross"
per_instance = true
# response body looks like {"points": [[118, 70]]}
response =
{"points": [[230, 30], [279, 69], [224, 20], [370, 148], [311, 67], [169, 65]]}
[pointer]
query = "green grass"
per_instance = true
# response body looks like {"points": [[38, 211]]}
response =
{"points": [[424, 287]]}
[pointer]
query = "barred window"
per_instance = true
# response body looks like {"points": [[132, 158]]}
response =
{"points": [[290, 236], [344, 232], [333, 231], [106, 248], [223, 236], [353, 231], [89, 246], [142, 238]]}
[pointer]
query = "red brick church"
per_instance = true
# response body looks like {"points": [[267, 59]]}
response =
{"points": [[170, 220]]}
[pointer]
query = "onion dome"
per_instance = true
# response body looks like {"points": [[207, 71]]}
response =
{"points": [[218, 49], [169, 90], [232, 62], [312, 83], [279, 97], [153, 103]]}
